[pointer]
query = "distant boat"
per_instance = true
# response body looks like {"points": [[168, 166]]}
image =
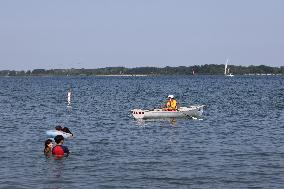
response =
{"points": [[227, 70]]}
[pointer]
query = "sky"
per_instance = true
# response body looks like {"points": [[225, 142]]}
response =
{"points": [[54, 34]]}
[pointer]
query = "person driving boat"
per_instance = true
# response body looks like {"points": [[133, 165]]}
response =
{"points": [[171, 105]]}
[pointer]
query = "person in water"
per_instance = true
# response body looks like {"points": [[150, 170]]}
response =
{"points": [[58, 128], [171, 105], [65, 129], [48, 147], [59, 150]]}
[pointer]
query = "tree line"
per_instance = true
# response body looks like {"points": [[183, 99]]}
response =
{"points": [[207, 69]]}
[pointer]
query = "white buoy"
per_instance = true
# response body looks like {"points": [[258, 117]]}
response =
{"points": [[69, 93]]}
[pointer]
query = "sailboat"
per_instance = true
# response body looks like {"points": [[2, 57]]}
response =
{"points": [[227, 70]]}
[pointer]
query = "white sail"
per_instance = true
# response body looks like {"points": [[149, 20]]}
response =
{"points": [[227, 70], [226, 65]]}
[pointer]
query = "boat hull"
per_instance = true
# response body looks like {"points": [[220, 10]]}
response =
{"points": [[192, 111]]}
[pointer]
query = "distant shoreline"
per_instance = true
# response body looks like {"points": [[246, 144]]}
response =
{"points": [[206, 69], [196, 75], [124, 75]]}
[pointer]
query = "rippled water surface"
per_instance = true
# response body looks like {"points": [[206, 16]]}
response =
{"points": [[238, 143]]}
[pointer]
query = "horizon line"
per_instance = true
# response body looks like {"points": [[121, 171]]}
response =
{"points": [[137, 67]]}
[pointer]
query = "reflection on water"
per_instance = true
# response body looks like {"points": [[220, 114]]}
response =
{"points": [[166, 121], [57, 168], [173, 121]]}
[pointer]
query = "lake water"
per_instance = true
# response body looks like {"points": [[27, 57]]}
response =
{"points": [[238, 143]]}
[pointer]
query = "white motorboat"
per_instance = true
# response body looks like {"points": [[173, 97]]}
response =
{"points": [[192, 111]]}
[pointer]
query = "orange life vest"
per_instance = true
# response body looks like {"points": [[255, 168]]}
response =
{"points": [[172, 105]]}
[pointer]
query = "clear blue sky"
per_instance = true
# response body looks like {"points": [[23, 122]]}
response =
{"points": [[135, 33]]}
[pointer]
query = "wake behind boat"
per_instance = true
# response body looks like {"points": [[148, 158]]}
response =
{"points": [[182, 112]]}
